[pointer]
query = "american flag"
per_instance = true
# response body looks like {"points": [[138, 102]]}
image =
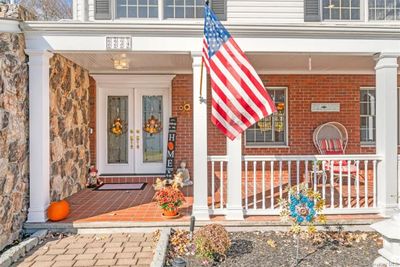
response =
{"points": [[239, 98]]}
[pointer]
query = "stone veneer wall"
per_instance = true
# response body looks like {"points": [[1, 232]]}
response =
{"points": [[15, 12], [69, 127], [14, 124]]}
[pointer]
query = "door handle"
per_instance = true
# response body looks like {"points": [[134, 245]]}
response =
{"points": [[132, 139], [137, 139]]}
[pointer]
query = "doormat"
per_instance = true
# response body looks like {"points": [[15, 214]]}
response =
{"points": [[116, 187]]}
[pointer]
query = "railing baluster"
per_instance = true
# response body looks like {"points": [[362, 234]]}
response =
{"points": [[366, 183], [315, 175], [212, 185], [263, 184], [280, 178], [306, 171], [272, 184], [349, 184], [289, 176], [340, 185], [222, 184], [298, 175], [358, 184], [374, 182], [246, 200], [332, 186], [323, 179], [255, 185]]}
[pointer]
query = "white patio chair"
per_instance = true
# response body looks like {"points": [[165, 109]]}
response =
{"points": [[331, 138]]}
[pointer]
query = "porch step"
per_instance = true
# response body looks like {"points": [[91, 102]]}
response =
{"points": [[126, 227]]}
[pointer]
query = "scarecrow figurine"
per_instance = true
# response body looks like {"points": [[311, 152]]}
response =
{"points": [[93, 180]]}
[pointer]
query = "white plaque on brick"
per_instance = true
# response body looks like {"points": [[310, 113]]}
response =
{"points": [[325, 107], [119, 42]]}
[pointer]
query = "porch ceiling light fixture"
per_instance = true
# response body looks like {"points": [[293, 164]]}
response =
{"points": [[121, 62]]}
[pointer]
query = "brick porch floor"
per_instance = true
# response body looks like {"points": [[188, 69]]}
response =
{"points": [[137, 206], [130, 205]]}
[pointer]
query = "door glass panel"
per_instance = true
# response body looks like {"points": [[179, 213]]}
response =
{"points": [[117, 134], [152, 129]]}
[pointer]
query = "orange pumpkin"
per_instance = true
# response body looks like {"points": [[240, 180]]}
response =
{"points": [[58, 210], [170, 145]]}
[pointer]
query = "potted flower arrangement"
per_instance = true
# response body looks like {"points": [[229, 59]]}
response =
{"points": [[168, 196]]}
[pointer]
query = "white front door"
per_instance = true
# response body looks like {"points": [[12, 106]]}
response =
{"points": [[124, 145], [151, 107]]}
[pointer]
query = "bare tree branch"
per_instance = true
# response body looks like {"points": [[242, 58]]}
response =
{"points": [[49, 9]]}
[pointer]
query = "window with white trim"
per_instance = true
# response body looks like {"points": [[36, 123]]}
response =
{"points": [[367, 115], [341, 10], [184, 9], [384, 9], [271, 130], [136, 9]]}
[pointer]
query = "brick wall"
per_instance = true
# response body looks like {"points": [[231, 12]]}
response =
{"points": [[302, 91], [181, 95]]}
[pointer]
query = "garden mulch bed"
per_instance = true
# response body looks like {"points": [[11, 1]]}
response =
{"points": [[328, 248]]}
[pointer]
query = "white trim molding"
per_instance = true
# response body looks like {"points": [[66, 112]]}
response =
{"points": [[131, 80], [120, 83], [9, 25]]}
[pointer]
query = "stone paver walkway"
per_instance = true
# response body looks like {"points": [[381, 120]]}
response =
{"points": [[131, 249]]}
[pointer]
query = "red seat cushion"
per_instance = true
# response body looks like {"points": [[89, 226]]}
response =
{"points": [[345, 169]]}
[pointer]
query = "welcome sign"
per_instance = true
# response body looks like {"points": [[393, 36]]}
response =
{"points": [[169, 172]]}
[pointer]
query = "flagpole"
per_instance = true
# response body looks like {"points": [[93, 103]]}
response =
{"points": [[202, 99]]}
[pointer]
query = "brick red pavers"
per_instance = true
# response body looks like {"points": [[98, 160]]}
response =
{"points": [[125, 205], [131, 249]]}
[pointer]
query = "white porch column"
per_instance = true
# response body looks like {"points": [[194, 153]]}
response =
{"points": [[200, 171], [39, 135], [386, 131], [234, 187]]}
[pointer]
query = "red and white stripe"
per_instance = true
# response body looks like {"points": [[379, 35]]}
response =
{"points": [[239, 98]]}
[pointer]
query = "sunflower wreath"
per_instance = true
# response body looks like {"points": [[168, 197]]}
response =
{"points": [[303, 207]]}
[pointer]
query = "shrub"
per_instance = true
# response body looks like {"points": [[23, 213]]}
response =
{"points": [[212, 241]]}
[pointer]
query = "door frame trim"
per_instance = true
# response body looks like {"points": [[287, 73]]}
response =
{"points": [[107, 81]]}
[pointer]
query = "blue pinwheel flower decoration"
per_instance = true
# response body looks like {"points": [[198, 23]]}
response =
{"points": [[302, 208]]}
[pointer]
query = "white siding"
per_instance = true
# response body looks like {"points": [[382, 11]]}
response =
{"points": [[265, 11]]}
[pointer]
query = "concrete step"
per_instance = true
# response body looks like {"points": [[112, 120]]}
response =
{"points": [[122, 226]]}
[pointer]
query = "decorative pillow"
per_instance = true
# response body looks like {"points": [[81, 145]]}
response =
{"points": [[331, 145]]}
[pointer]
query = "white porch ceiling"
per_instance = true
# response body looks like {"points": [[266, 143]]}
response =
{"points": [[156, 63]]}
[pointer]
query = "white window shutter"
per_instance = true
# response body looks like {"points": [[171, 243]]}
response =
{"points": [[219, 8], [312, 10], [102, 9]]}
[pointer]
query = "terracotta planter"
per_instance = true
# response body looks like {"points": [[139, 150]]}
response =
{"points": [[170, 213]]}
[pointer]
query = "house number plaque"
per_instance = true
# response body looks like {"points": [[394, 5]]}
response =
{"points": [[169, 171], [119, 42]]}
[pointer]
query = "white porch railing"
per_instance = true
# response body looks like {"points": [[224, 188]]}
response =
{"points": [[346, 182]]}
